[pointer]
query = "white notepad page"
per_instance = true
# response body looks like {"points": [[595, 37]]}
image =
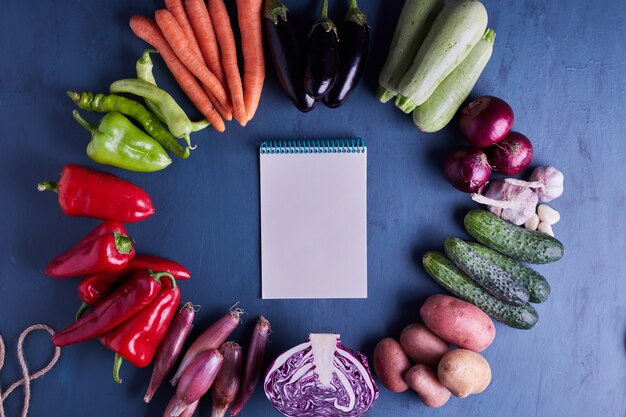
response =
{"points": [[314, 225]]}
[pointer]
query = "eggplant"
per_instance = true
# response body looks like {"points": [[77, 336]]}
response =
{"points": [[286, 52], [322, 59], [354, 37]]}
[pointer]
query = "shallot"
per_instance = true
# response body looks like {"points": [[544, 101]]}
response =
{"points": [[468, 169], [170, 348], [546, 181], [254, 365], [211, 338], [226, 384], [195, 382], [509, 202], [486, 121], [512, 155]]}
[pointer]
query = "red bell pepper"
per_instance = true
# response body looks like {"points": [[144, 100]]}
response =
{"points": [[128, 300], [106, 248], [94, 288], [138, 338], [86, 192]]}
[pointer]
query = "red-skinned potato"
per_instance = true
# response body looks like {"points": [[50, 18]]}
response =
{"points": [[391, 364], [422, 345], [424, 381], [458, 322], [464, 372]]}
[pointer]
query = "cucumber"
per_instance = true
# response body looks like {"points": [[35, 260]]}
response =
{"points": [[495, 280], [538, 287], [442, 105], [518, 243], [459, 26], [415, 20], [446, 274]]}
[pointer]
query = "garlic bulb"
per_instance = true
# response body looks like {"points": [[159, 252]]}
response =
{"points": [[509, 202], [546, 181]]}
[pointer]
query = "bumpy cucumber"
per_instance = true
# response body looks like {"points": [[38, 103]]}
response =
{"points": [[495, 280], [446, 274], [538, 287], [459, 26], [436, 112], [415, 20], [516, 242]]}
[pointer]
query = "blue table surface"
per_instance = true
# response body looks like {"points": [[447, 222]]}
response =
{"points": [[561, 67]]}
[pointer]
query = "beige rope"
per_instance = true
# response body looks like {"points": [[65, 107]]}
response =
{"points": [[24, 367]]}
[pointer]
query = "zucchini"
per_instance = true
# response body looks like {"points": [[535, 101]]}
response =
{"points": [[459, 26], [538, 287], [415, 20], [495, 280], [518, 243], [446, 274], [442, 105]]}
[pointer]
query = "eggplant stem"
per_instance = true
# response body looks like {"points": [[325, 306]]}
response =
{"points": [[325, 9], [522, 183], [479, 198]]}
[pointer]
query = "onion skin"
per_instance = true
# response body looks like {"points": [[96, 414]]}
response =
{"points": [[226, 384], [468, 169], [254, 365], [512, 155], [486, 121]]}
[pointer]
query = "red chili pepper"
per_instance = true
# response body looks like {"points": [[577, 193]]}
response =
{"points": [[94, 288], [86, 192], [138, 338], [106, 248], [129, 299]]}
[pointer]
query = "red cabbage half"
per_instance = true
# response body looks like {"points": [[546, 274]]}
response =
{"points": [[321, 378]]}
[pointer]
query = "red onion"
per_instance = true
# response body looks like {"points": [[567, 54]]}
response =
{"points": [[226, 384], [212, 338], [486, 121], [468, 169], [195, 382], [254, 365], [512, 155], [170, 348]]}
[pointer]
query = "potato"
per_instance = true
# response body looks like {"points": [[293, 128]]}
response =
{"points": [[422, 345], [464, 372], [390, 364], [458, 322], [423, 380]]}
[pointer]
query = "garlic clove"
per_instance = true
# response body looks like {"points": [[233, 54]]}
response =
{"points": [[545, 228], [547, 214], [532, 223]]}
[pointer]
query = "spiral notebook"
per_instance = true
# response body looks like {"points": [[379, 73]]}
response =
{"points": [[313, 219]]}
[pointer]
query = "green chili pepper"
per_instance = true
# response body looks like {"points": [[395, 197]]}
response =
{"points": [[174, 115], [144, 72], [118, 142], [108, 103]]}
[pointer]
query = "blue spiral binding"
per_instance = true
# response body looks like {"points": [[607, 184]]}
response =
{"points": [[312, 146]]}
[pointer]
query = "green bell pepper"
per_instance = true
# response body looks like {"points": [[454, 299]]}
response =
{"points": [[116, 141]]}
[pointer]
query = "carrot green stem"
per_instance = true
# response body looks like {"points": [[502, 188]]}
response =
{"points": [[84, 123]]}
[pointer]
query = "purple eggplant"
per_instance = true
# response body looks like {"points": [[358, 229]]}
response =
{"points": [[353, 47], [286, 53], [322, 59]]}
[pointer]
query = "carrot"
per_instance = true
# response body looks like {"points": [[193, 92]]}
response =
{"points": [[226, 39], [146, 29], [180, 45], [249, 15], [225, 112], [176, 8], [203, 29]]}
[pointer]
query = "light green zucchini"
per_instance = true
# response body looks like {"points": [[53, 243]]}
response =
{"points": [[459, 26], [443, 104], [415, 20]]}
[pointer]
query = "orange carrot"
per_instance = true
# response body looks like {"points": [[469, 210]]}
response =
{"points": [[176, 8], [226, 113], [203, 29], [146, 29], [180, 45], [249, 15], [226, 39]]}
